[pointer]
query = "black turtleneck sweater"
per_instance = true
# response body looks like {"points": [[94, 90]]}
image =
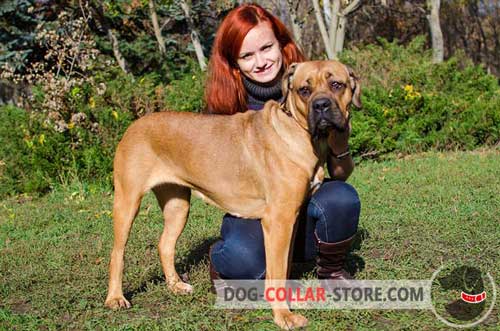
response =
{"points": [[259, 93]]}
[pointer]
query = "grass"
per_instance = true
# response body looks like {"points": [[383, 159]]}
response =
{"points": [[417, 213]]}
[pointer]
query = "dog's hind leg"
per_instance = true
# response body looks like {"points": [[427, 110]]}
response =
{"points": [[174, 202], [125, 209]]}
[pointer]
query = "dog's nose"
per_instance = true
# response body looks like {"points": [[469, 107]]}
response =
{"points": [[321, 105]]}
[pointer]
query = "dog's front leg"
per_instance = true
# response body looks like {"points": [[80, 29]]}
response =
{"points": [[278, 229]]}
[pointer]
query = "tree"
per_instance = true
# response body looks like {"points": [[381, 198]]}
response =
{"points": [[335, 17], [293, 8], [435, 27], [156, 27], [97, 7], [194, 35]]}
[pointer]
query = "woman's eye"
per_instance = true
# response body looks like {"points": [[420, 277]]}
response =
{"points": [[267, 47], [246, 56], [304, 91], [336, 85]]}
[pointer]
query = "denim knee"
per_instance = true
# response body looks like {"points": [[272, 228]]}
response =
{"points": [[240, 254], [335, 208]]}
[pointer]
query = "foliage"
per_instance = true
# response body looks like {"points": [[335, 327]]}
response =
{"points": [[186, 94], [38, 154], [45, 148], [16, 40], [132, 25], [412, 105]]}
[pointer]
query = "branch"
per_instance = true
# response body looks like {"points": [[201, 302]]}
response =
{"points": [[351, 7]]}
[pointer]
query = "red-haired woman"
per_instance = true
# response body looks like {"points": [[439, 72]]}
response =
{"points": [[252, 49]]}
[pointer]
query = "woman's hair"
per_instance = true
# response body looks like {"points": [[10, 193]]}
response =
{"points": [[224, 90]]}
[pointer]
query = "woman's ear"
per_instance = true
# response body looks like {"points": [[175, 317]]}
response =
{"points": [[355, 87], [286, 81]]}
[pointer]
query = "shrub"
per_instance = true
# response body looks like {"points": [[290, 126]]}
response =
{"points": [[14, 151], [412, 105], [186, 94], [48, 147]]}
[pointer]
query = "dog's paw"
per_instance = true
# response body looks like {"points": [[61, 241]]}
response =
{"points": [[181, 288], [117, 303], [290, 321]]}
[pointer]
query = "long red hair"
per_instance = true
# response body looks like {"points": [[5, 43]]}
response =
{"points": [[224, 90]]}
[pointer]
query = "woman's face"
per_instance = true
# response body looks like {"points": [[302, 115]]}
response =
{"points": [[260, 57]]}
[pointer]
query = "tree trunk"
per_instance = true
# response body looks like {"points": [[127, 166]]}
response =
{"points": [[101, 18], [322, 29], [116, 51], [342, 22], [436, 33], [194, 36], [156, 27], [334, 37], [292, 7], [334, 25], [340, 36], [327, 11]]}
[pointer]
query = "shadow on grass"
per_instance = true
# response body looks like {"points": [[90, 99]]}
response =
{"points": [[199, 253], [194, 258], [355, 263]]}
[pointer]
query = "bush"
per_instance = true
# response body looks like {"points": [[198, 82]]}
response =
{"points": [[38, 154], [47, 147], [186, 94], [412, 105], [14, 152]]}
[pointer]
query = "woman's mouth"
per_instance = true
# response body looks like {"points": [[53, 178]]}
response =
{"points": [[265, 70]]}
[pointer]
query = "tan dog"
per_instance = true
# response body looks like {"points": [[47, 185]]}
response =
{"points": [[257, 164]]}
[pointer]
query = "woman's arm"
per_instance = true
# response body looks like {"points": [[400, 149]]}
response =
{"points": [[339, 163]]}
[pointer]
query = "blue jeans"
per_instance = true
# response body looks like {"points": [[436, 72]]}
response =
{"points": [[332, 212]]}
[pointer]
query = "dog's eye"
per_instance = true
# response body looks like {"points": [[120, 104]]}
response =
{"points": [[304, 91], [336, 85]]}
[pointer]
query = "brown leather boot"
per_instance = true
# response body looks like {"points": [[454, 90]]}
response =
{"points": [[331, 258]]}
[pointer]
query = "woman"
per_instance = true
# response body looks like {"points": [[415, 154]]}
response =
{"points": [[252, 49]]}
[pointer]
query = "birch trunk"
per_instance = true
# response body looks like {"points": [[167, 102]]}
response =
{"points": [[341, 26], [340, 36], [327, 11], [98, 6], [334, 23], [333, 38], [436, 33], [194, 36], [322, 29], [156, 27], [297, 32], [116, 51]]}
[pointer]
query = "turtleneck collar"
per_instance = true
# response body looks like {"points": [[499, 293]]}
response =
{"points": [[259, 93]]}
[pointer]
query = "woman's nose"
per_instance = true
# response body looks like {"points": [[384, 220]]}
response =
{"points": [[260, 61]]}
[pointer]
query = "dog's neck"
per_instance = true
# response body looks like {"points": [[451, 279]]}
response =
{"points": [[294, 136]]}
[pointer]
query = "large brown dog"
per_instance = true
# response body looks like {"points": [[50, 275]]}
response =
{"points": [[257, 164]]}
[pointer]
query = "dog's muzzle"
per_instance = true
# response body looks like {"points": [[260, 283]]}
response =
{"points": [[324, 116]]}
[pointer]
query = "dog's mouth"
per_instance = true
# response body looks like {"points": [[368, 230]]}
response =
{"points": [[321, 122]]}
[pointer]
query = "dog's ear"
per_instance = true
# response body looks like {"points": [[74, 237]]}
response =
{"points": [[286, 81], [355, 87]]}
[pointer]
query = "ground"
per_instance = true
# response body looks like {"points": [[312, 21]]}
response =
{"points": [[417, 213]]}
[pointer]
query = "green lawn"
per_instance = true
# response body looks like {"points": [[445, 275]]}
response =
{"points": [[417, 213]]}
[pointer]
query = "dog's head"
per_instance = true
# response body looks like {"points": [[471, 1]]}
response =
{"points": [[319, 94]]}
